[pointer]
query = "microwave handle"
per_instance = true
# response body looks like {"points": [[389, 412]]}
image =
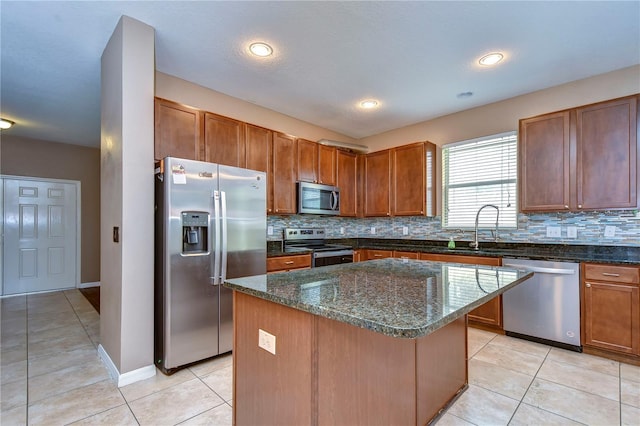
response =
{"points": [[334, 200]]}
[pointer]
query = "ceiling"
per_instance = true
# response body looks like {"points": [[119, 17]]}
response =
{"points": [[414, 57]]}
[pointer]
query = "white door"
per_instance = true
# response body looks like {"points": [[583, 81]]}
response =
{"points": [[40, 235]]}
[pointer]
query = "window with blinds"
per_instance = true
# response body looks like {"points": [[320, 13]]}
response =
{"points": [[478, 172]]}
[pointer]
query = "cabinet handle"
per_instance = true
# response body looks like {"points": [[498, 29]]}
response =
{"points": [[588, 285], [290, 262], [609, 274], [377, 255], [566, 206], [579, 206]]}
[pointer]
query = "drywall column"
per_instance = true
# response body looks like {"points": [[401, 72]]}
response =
{"points": [[126, 181]]}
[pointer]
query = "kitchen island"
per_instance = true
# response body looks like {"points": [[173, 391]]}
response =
{"points": [[378, 342]]}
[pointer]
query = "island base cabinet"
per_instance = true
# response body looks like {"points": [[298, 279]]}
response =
{"points": [[326, 372]]}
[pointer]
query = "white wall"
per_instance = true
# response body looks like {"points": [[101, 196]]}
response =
{"points": [[127, 191]]}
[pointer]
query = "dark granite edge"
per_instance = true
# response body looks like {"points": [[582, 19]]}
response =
{"points": [[409, 333]]}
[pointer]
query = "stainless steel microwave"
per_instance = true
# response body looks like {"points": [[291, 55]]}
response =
{"points": [[315, 198]]}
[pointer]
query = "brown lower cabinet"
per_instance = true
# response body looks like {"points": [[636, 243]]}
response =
{"points": [[288, 263], [611, 308], [488, 315], [406, 254], [371, 254]]}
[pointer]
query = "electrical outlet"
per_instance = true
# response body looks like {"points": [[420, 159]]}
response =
{"points": [[554, 231], [572, 232], [373, 230], [267, 341], [609, 231], [342, 230], [269, 230], [405, 230]]}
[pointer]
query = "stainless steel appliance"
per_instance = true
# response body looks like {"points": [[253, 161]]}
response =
{"points": [[314, 198], [545, 308], [323, 254], [210, 225]]}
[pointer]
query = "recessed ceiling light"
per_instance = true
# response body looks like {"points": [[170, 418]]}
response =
{"points": [[369, 104], [491, 59], [261, 49], [5, 124], [464, 95]]}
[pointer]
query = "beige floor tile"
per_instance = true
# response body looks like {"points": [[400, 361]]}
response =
{"points": [[588, 362], [154, 384], [13, 372], [63, 344], [60, 360], [13, 394], [630, 393], [207, 367], [175, 404], [56, 320], [508, 358], [221, 381], [572, 403], [497, 379], [630, 416], [16, 416], [527, 415], [581, 379], [9, 355], [480, 406], [13, 338], [52, 334], [121, 416], [222, 415], [89, 316], [451, 420], [13, 302], [13, 324], [521, 345], [65, 380], [630, 372], [76, 404], [477, 339]]}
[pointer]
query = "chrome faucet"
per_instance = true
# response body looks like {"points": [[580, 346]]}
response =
{"points": [[475, 245]]}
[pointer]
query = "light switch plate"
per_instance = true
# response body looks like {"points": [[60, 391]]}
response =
{"points": [[373, 230], [267, 341], [342, 230], [554, 231], [609, 231], [405, 230], [572, 232], [269, 230]]}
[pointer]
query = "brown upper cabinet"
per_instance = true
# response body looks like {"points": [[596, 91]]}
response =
{"points": [[283, 176], [347, 181], [399, 181], [581, 159], [224, 141], [307, 160], [178, 130], [257, 143], [327, 164]]}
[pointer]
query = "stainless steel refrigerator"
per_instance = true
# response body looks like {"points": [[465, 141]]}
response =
{"points": [[210, 225]]}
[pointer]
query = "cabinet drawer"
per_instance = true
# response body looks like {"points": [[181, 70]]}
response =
{"points": [[284, 263], [618, 274], [378, 254]]}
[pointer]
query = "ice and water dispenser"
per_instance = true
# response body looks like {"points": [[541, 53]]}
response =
{"points": [[195, 231]]}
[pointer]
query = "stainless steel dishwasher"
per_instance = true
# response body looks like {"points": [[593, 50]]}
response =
{"points": [[546, 307]]}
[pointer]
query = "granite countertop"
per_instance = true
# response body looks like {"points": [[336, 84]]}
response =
{"points": [[395, 297]]}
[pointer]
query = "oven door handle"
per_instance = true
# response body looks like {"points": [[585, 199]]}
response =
{"points": [[323, 254]]}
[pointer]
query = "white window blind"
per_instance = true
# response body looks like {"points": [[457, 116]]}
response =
{"points": [[478, 172]]}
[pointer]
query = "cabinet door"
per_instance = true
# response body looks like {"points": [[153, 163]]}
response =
{"points": [[223, 140], [257, 141], [406, 254], [409, 180], [346, 180], [378, 254], [283, 177], [545, 162], [607, 155], [377, 177], [327, 158], [612, 316], [307, 160], [177, 131]]}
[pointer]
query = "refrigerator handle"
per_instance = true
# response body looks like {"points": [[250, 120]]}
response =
{"points": [[215, 279], [223, 263]]}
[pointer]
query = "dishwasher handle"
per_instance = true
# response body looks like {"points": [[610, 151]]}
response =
{"points": [[539, 270]]}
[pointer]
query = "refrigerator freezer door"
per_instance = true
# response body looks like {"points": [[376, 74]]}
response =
{"points": [[245, 243], [191, 321]]}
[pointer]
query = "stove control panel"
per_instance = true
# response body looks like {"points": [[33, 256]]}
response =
{"points": [[304, 233]]}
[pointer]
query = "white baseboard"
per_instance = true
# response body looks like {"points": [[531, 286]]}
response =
{"points": [[87, 285], [126, 378]]}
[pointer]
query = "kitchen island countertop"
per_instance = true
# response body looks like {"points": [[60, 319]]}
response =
{"points": [[395, 297]]}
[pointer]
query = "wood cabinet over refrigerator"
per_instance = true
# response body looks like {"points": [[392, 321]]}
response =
{"points": [[584, 158]]}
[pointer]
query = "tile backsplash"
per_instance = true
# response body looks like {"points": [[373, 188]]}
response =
{"points": [[532, 228]]}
